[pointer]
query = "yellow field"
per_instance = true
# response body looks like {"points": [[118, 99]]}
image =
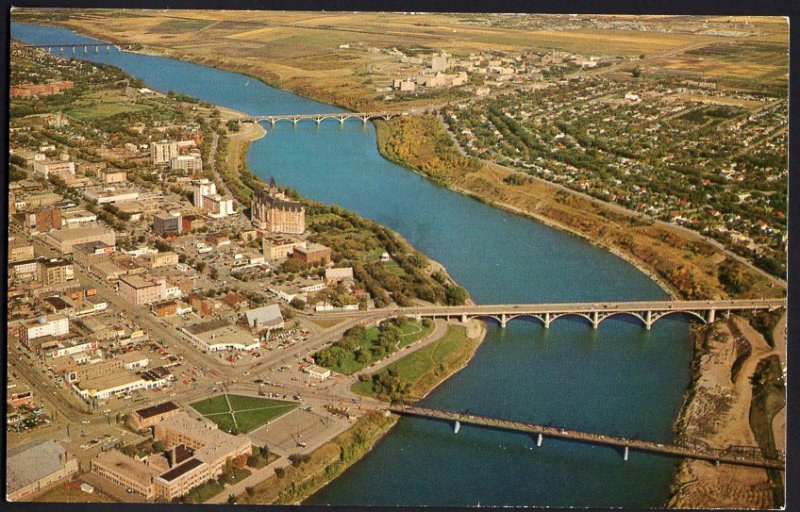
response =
{"points": [[301, 51]]}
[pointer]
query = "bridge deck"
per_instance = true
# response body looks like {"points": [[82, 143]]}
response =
{"points": [[738, 457]]}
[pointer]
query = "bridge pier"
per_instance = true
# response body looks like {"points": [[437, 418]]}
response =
{"points": [[547, 320], [625, 454], [364, 120], [712, 315], [272, 121], [464, 319], [341, 120], [294, 121], [648, 320], [595, 320], [96, 49], [456, 427], [539, 440], [318, 120], [503, 321]]}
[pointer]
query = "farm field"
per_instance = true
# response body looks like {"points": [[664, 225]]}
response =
{"points": [[238, 413], [342, 58]]}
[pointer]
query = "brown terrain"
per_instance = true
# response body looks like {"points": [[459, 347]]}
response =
{"points": [[717, 412]]}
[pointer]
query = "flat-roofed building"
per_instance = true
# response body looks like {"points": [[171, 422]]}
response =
{"points": [[187, 163], [55, 271], [19, 250], [110, 176], [134, 360], [211, 445], [168, 223], [36, 466], [182, 478], [279, 247], [58, 168], [121, 383], [162, 259], [220, 334], [92, 253], [164, 308], [64, 239], [111, 195], [147, 417], [92, 371], [41, 219], [313, 254], [336, 275], [139, 290], [164, 151], [53, 325], [76, 217], [25, 269], [126, 472]]}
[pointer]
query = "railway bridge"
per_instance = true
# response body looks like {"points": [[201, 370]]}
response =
{"points": [[318, 118], [647, 312], [738, 455]]}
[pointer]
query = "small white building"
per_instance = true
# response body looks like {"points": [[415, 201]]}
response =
{"points": [[318, 372]]}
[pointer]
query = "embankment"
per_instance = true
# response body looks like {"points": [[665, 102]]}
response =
{"points": [[717, 411]]}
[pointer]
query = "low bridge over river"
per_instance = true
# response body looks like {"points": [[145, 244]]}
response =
{"points": [[318, 118], [74, 47], [648, 312], [739, 455]]}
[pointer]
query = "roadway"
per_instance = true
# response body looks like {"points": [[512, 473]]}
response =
{"points": [[707, 454]]}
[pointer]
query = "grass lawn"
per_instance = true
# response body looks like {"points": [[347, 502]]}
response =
{"points": [[426, 367], [251, 420], [213, 405], [412, 331], [60, 494], [203, 492], [246, 413], [103, 110]]}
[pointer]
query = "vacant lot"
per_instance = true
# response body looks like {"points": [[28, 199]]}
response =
{"points": [[238, 413]]}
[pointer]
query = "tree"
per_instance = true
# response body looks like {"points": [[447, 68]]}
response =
{"points": [[250, 491], [280, 472], [637, 72], [298, 303], [232, 500]]}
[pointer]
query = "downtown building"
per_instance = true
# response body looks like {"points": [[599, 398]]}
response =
{"points": [[208, 201], [274, 212]]}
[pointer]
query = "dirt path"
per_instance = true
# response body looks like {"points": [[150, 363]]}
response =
{"points": [[779, 421]]}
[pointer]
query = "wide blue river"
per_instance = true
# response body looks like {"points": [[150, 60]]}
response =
{"points": [[619, 379]]}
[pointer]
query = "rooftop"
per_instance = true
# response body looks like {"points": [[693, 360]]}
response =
{"points": [[184, 468], [32, 461], [131, 468], [149, 412]]}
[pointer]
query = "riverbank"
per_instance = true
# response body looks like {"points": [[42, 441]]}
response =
{"points": [[680, 261], [717, 411]]}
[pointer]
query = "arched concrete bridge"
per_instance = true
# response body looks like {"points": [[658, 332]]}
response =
{"points": [[647, 312], [318, 118], [85, 46]]}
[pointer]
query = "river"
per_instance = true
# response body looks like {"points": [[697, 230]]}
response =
{"points": [[619, 379]]}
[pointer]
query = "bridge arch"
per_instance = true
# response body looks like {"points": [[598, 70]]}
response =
{"points": [[634, 314], [535, 316], [587, 317], [661, 314], [485, 316]]}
